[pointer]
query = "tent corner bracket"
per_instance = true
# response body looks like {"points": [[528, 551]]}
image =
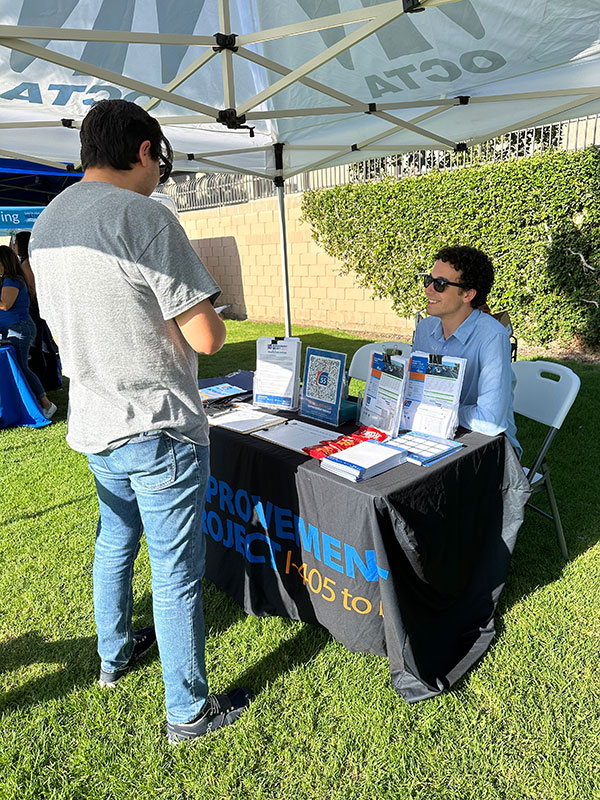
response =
{"points": [[229, 118], [225, 41], [412, 6]]}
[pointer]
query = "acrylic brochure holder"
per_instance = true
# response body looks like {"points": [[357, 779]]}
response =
{"points": [[277, 376]]}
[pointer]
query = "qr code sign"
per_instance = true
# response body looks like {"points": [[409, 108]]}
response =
{"points": [[322, 379]]}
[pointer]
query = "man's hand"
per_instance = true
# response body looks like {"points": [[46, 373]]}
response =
{"points": [[202, 328]]}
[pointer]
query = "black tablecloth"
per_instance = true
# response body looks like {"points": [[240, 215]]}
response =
{"points": [[408, 565]]}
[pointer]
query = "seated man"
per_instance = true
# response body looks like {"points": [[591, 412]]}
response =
{"points": [[456, 289]]}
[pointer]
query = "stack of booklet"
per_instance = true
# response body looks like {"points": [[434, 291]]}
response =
{"points": [[365, 460]]}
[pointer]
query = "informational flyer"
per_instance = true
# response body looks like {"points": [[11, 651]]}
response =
{"points": [[384, 393], [277, 377], [433, 394], [322, 386]]}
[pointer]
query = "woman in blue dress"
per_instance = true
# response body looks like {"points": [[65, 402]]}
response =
{"points": [[16, 326]]}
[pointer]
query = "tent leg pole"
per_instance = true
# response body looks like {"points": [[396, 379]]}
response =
{"points": [[284, 261]]}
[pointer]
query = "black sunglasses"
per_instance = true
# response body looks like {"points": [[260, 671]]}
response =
{"points": [[165, 168], [439, 284]]}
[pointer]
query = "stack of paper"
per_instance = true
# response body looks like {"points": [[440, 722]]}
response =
{"points": [[244, 419], [425, 449], [277, 376], [384, 393], [294, 435], [219, 392], [433, 394], [365, 460]]}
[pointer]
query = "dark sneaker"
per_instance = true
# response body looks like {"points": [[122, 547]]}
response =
{"points": [[143, 640], [218, 711]]}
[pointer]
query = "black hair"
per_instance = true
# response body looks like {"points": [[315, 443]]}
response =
{"points": [[11, 264], [21, 240], [112, 132], [476, 270]]}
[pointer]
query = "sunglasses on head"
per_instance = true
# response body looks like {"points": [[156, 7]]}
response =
{"points": [[439, 284]]}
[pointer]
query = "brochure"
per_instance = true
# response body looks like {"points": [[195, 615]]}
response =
{"points": [[424, 449], [433, 394], [365, 460], [219, 392], [277, 377], [384, 393], [323, 385]]}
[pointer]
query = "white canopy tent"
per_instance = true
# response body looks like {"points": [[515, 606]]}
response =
{"points": [[274, 88]]}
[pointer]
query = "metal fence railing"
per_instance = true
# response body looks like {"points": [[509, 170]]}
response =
{"points": [[196, 191]]}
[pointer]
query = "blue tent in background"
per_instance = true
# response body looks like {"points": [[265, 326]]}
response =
{"points": [[26, 184]]}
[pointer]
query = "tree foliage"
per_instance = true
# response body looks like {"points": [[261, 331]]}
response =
{"points": [[538, 218]]}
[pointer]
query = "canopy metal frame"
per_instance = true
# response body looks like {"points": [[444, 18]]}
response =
{"points": [[236, 113]]}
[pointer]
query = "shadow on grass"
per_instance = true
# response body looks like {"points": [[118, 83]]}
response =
{"points": [[298, 651], [76, 660], [221, 612], [47, 509]]}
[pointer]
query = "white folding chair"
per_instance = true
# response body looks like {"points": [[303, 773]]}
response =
{"points": [[545, 392], [361, 360]]}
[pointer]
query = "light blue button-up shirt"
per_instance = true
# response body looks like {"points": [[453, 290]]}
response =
{"points": [[486, 400]]}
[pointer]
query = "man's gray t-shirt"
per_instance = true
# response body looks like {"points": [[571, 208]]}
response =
{"points": [[113, 269]]}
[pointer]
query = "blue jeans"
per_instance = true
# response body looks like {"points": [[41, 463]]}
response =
{"points": [[21, 335], [155, 484]]}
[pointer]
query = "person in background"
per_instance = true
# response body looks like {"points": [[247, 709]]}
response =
{"points": [[131, 305], [16, 325], [19, 244], [456, 290], [43, 355]]}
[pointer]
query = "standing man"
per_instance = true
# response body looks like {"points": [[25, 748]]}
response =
{"points": [[456, 289], [130, 304]]}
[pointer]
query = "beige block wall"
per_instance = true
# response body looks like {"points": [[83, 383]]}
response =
{"points": [[240, 246]]}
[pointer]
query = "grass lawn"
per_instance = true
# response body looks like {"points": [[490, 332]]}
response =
{"points": [[524, 723]]}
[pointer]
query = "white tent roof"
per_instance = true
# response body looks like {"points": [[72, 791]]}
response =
{"points": [[334, 81]]}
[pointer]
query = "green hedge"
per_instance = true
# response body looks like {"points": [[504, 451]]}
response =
{"points": [[528, 215]]}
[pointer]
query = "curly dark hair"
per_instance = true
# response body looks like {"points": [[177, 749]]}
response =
{"points": [[476, 270], [112, 132]]}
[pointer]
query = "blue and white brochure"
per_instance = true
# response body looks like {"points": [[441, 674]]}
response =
{"points": [[219, 392], [323, 384], [365, 460]]}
